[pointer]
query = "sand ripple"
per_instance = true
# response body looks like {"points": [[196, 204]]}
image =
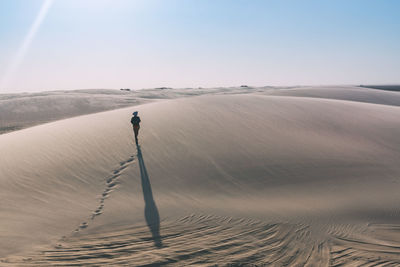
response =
{"points": [[220, 241]]}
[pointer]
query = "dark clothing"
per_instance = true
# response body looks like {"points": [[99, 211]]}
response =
{"points": [[135, 123], [136, 131], [135, 120]]}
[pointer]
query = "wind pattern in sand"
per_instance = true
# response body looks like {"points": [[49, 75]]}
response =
{"points": [[264, 176]]}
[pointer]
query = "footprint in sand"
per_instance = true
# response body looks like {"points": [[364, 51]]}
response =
{"points": [[111, 183]]}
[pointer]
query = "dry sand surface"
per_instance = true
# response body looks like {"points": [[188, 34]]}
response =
{"points": [[300, 177], [19, 111]]}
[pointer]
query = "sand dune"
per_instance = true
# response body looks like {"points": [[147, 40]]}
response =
{"points": [[349, 93], [243, 179], [19, 111]]}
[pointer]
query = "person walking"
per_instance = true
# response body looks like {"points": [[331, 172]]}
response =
{"points": [[136, 125]]}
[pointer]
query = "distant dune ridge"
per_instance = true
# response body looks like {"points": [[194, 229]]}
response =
{"points": [[304, 176], [19, 111]]}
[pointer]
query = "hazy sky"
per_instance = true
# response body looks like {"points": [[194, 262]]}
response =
{"points": [[69, 44]]}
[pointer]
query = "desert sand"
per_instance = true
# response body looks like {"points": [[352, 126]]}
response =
{"points": [[23, 110], [282, 177]]}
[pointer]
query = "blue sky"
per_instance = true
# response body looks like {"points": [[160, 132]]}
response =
{"points": [[191, 43]]}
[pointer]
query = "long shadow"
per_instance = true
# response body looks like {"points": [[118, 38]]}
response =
{"points": [[150, 209]]}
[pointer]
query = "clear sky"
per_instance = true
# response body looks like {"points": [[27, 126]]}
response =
{"points": [[70, 44]]}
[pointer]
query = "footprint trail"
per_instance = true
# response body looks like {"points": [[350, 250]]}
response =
{"points": [[111, 184]]}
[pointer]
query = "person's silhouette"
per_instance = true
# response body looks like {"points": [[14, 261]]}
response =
{"points": [[136, 125]]}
